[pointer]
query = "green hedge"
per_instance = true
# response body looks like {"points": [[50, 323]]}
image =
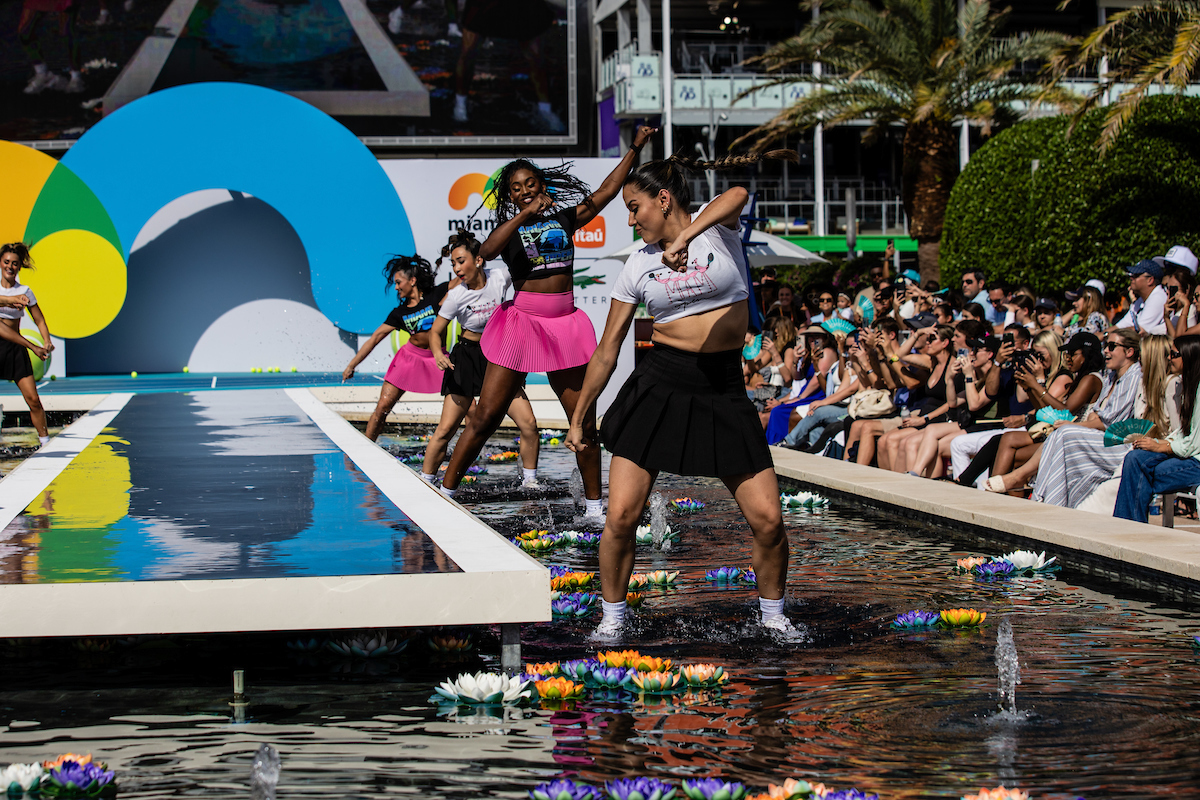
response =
{"points": [[1077, 216]]}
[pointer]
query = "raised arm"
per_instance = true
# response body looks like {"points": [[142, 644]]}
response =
{"points": [[378, 336], [599, 369], [610, 187], [725, 210]]}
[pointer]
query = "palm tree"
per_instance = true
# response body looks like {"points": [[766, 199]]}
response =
{"points": [[1154, 44], [920, 64]]}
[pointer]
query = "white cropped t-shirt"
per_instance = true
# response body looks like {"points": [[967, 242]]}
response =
{"points": [[16, 312], [473, 308], [715, 277]]}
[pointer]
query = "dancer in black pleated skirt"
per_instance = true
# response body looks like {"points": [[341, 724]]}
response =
{"points": [[684, 409], [15, 300]]}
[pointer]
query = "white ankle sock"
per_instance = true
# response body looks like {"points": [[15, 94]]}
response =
{"points": [[529, 474], [770, 608], [428, 478], [447, 492], [614, 611], [593, 508], [43, 439]]}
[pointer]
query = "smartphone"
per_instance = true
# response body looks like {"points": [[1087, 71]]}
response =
{"points": [[1008, 338], [963, 352]]}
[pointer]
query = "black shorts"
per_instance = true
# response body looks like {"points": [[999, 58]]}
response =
{"points": [[688, 414], [14, 361], [466, 379]]}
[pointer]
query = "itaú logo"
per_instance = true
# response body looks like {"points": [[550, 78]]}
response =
{"points": [[591, 235]]}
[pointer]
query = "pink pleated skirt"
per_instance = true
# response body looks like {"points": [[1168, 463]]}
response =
{"points": [[413, 369], [537, 332]]}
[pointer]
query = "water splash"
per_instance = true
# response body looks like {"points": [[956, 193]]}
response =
{"points": [[550, 518], [576, 485], [658, 521], [1008, 667], [264, 773]]}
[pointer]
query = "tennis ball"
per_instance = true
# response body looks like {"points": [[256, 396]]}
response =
{"points": [[293, 369], [185, 369], [554, 441], [133, 374]]}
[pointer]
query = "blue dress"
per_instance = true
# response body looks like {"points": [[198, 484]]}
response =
{"points": [[777, 426]]}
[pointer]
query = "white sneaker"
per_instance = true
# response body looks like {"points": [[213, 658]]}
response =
{"points": [[784, 629], [460, 109], [552, 121], [395, 20], [75, 85], [453, 30], [532, 483], [593, 521], [609, 630], [41, 81]]}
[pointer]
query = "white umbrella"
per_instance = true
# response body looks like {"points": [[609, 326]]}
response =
{"points": [[763, 250]]}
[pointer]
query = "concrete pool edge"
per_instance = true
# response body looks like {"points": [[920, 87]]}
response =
{"points": [[1163, 561]]}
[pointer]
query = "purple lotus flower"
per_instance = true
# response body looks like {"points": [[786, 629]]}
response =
{"points": [[748, 576], [639, 789], [476, 469], [81, 777], [582, 598], [713, 789], [568, 607], [612, 677], [916, 620], [587, 540], [564, 789], [850, 794], [579, 668], [993, 571], [723, 574], [558, 572]]}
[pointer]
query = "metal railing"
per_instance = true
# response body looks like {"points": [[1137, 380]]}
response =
{"points": [[882, 217]]}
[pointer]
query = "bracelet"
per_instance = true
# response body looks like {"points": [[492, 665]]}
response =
{"points": [[893, 359], [870, 372]]}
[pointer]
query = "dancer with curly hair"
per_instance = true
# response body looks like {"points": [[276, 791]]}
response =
{"points": [[540, 330], [15, 299]]}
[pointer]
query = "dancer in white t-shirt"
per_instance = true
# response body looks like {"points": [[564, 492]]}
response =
{"points": [[15, 299]]}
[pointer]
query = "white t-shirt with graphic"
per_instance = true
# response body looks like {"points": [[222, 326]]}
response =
{"points": [[715, 277], [16, 312], [473, 308]]}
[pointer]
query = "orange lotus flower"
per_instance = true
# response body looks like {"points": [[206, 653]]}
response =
{"points": [[58, 762], [703, 674], [962, 617], [548, 668], [656, 681], [532, 534], [558, 689], [649, 664], [617, 658], [571, 580], [634, 599], [968, 564], [999, 793], [794, 788]]}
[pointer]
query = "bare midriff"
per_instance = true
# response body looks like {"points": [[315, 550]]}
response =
{"points": [[708, 332], [15, 324], [471, 336], [555, 284]]}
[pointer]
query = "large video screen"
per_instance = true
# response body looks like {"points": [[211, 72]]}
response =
{"points": [[395, 72]]}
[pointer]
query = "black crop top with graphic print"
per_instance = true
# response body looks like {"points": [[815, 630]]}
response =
{"points": [[542, 248], [415, 319]]}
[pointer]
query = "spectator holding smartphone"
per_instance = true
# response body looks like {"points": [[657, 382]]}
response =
{"points": [[1179, 313]]}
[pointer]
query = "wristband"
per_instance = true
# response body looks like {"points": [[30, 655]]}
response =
{"points": [[893, 359]]}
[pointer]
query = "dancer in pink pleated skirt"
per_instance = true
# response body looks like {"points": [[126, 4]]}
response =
{"points": [[539, 330]]}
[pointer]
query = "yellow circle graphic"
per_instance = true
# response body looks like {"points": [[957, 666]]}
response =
{"points": [[80, 282]]}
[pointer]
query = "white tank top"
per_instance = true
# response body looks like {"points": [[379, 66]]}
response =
{"points": [[715, 277], [473, 308], [16, 312]]}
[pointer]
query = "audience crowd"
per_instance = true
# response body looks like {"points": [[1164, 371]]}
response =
{"points": [[1088, 400]]}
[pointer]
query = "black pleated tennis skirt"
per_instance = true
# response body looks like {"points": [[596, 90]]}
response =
{"points": [[688, 414], [466, 379], [14, 361]]}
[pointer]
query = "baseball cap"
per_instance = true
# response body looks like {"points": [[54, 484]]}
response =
{"points": [[1146, 266], [911, 275], [1046, 303], [1082, 341], [1182, 257], [1095, 283], [925, 320]]}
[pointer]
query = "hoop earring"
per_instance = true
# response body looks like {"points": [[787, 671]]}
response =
{"points": [[666, 211]]}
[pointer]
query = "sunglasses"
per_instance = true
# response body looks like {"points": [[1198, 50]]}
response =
{"points": [[1175, 354], [826, 299], [1110, 346]]}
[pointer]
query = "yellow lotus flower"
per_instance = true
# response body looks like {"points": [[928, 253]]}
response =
{"points": [[999, 793], [703, 674], [617, 658], [571, 580], [962, 617], [649, 664], [58, 762], [558, 689], [532, 535], [547, 668], [661, 577], [633, 599]]}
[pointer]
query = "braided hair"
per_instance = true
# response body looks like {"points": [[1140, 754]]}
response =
{"points": [[412, 266], [462, 238], [672, 173], [564, 188], [22, 252]]}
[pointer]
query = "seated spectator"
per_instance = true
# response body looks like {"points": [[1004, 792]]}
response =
{"points": [[944, 313], [1158, 465], [974, 289], [1118, 393], [844, 303], [1045, 316], [776, 364], [1180, 313], [1179, 260], [885, 370], [817, 357], [1076, 461], [838, 391], [974, 311], [1022, 311], [825, 308], [1146, 315], [1087, 312]]}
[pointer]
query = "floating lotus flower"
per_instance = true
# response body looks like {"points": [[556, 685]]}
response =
{"points": [[450, 643], [367, 646], [569, 606], [639, 789], [999, 793], [551, 434], [545, 669], [578, 669], [703, 675], [467, 480], [74, 779], [803, 500], [617, 658], [637, 580], [969, 564], [503, 458], [660, 577], [644, 536], [748, 576], [993, 571], [484, 687], [723, 574], [307, 645], [713, 789], [656, 682], [17, 778], [648, 663], [476, 469], [634, 600], [686, 505], [962, 618], [543, 544], [534, 534], [588, 540], [916, 620], [413, 458], [1029, 562], [559, 689], [791, 790], [849, 794], [64, 758], [571, 580], [611, 677], [564, 789]]}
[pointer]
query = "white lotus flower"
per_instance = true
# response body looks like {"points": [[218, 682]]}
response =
{"points": [[1023, 560], [803, 500], [485, 687], [367, 645], [24, 775]]}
